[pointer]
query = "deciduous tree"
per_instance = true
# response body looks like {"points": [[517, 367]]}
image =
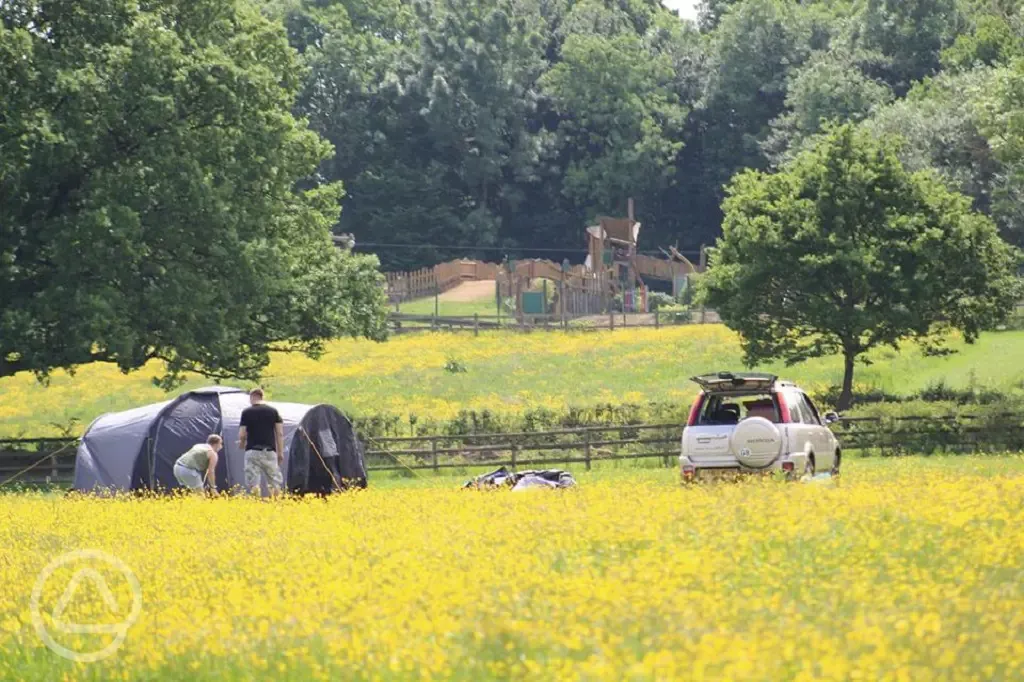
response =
{"points": [[844, 250], [148, 201]]}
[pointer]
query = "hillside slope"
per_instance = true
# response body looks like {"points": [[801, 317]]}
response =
{"points": [[506, 372]]}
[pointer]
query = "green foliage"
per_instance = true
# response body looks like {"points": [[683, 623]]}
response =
{"points": [[619, 118], [657, 300], [454, 366], [676, 313], [939, 128], [998, 110], [844, 250], [147, 193], [710, 12], [752, 52], [992, 37], [830, 87], [908, 35], [490, 126]]}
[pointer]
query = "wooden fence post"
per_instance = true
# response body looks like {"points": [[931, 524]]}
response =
{"points": [[476, 324], [657, 320], [433, 454], [562, 303], [586, 449], [611, 320], [515, 449]]}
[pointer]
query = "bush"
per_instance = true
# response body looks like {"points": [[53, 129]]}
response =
{"points": [[1014, 323], [938, 392], [454, 366], [904, 424], [658, 300], [942, 392], [676, 313], [868, 395]]}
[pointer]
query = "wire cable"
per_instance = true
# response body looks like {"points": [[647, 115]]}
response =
{"points": [[35, 464], [322, 461], [469, 247]]}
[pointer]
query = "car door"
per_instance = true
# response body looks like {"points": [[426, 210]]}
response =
{"points": [[820, 436], [798, 427]]}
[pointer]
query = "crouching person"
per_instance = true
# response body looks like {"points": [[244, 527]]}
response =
{"points": [[198, 466]]}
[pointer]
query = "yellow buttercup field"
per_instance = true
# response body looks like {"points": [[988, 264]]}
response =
{"points": [[903, 570]]}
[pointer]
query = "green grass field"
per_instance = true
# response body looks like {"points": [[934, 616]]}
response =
{"points": [[472, 298], [483, 308], [510, 373]]}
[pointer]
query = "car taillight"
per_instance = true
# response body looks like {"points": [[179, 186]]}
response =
{"points": [[695, 410], [783, 408], [689, 473], [787, 466]]}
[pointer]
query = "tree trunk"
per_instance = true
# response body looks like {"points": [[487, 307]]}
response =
{"points": [[846, 395]]}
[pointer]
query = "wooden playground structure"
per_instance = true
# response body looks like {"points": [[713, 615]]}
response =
{"points": [[614, 276]]}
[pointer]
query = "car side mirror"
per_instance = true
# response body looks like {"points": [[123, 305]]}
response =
{"points": [[832, 417]]}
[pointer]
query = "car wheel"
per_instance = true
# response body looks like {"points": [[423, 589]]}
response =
{"points": [[809, 469], [835, 467]]}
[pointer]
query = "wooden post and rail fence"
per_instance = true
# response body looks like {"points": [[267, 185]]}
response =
{"points": [[403, 323], [42, 461]]}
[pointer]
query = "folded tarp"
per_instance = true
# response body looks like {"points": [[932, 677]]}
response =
{"points": [[523, 480]]}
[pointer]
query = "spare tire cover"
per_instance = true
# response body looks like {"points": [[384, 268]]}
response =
{"points": [[756, 442]]}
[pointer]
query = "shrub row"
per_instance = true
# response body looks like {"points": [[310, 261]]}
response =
{"points": [[935, 402]]}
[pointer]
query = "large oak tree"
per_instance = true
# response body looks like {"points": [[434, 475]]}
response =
{"points": [[148, 193]]}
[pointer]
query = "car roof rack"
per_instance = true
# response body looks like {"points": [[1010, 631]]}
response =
{"points": [[735, 382]]}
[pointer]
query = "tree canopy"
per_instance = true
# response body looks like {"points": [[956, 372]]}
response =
{"points": [[487, 128], [148, 199], [844, 250]]}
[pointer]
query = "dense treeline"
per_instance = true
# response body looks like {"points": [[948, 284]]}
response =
{"points": [[510, 123]]}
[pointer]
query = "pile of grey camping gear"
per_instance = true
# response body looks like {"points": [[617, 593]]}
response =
{"points": [[523, 480]]}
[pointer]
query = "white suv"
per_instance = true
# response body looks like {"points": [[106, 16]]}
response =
{"points": [[754, 423]]}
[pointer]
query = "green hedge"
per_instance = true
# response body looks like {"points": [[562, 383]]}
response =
{"points": [[938, 418]]}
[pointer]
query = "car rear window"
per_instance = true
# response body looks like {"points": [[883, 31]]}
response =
{"points": [[732, 409]]}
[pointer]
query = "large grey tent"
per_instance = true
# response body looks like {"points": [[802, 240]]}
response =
{"points": [[136, 449]]}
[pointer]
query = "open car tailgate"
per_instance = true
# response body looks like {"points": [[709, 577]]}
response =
{"points": [[735, 382]]}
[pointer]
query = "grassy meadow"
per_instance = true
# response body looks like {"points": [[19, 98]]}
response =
{"points": [[425, 306], [506, 372], [904, 569]]}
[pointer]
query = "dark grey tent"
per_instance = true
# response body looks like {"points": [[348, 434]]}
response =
{"points": [[327, 454], [136, 449]]}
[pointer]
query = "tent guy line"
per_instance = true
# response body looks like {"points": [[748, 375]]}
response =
{"points": [[33, 465]]}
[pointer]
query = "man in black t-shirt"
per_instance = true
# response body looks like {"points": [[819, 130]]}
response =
{"points": [[261, 436]]}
